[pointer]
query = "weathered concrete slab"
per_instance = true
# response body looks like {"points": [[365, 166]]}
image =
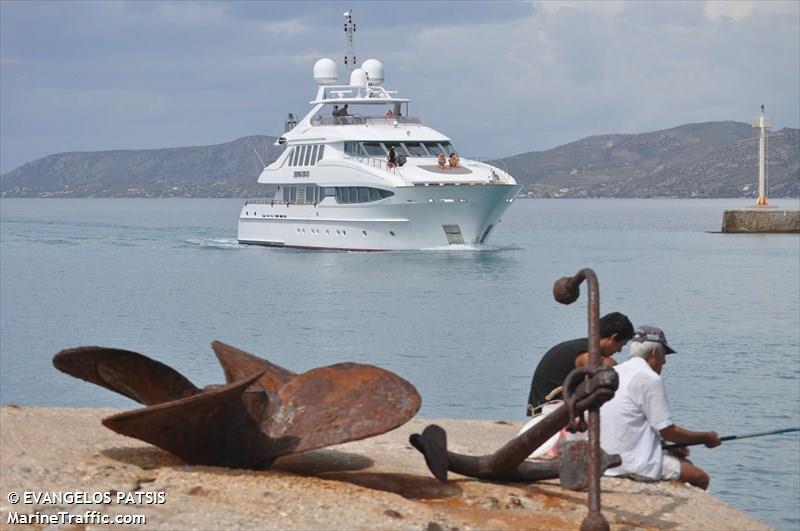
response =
{"points": [[377, 483], [764, 219]]}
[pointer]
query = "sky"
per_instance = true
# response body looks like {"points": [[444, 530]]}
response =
{"points": [[499, 78]]}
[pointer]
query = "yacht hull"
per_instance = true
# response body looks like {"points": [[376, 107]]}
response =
{"points": [[416, 217]]}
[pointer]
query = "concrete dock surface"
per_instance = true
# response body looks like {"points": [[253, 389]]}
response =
{"points": [[377, 483]]}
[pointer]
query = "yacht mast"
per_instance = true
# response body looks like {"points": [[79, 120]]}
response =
{"points": [[349, 31]]}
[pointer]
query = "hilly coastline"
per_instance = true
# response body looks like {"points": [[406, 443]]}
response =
{"points": [[712, 159]]}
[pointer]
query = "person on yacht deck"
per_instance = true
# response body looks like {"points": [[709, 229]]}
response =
{"points": [[335, 111], [441, 161], [454, 160], [391, 158]]}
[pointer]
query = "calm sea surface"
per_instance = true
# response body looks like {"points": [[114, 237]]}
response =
{"points": [[165, 277]]}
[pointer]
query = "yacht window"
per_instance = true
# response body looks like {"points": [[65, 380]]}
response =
{"points": [[311, 196], [314, 154], [353, 149], [415, 149], [298, 160], [374, 149], [448, 148], [307, 159], [433, 148], [360, 194], [321, 152], [295, 151], [293, 194]]}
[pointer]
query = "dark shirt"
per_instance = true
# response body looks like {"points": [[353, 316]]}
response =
{"points": [[553, 369]]}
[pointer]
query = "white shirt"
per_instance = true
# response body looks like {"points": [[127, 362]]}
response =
{"points": [[631, 421]]}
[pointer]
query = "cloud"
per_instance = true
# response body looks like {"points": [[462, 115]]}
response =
{"points": [[716, 9], [285, 27], [499, 78]]}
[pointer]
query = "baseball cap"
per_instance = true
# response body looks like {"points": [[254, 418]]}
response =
{"points": [[652, 333]]}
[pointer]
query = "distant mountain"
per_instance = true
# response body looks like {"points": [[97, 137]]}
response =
{"points": [[714, 159], [221, 170]]}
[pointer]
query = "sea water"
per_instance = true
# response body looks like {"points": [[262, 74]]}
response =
{"points": [[465, 326]]}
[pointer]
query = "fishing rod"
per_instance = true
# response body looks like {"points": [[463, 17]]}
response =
{"points": [[734, 437]]}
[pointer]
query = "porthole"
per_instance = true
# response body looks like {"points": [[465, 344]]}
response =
{"points": [[364, 233], [391, 232], [327, 231]]}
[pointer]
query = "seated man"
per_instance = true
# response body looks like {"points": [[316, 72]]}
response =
{"points": [[634, 422], [441, 161], [558, 362]]}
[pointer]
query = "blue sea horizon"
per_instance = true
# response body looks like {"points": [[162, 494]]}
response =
{"points": [[165, 277]]}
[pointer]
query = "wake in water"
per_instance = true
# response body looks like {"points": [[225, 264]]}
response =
{"points": [[214, 243], [474, 248]]}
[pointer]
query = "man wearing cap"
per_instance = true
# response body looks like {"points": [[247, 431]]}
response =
{"points": [[634, 422]]}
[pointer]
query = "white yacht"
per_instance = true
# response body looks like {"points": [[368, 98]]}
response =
{"points": [[338, 189]]}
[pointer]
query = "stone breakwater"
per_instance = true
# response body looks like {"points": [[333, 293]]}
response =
{"points": [[377, 483], [761, 219]]}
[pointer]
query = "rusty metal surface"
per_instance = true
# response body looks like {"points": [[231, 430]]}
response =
{"points": [[128, 373], [509, 462], [566, 291], [574, 465], [263, 412], [342, 402], [210, 428], [238, 364]]}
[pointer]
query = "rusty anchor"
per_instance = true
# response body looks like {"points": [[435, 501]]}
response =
{"points": [[509, 462], [582, 462], [262, 412]]}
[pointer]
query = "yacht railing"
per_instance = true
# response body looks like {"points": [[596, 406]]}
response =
{"points": [[364, 120], [375, 162], [497, 163]]}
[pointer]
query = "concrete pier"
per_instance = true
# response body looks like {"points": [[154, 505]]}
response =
{"points": [[763, 219], [379, 483]]}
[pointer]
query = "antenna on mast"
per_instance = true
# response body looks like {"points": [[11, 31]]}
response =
{"points": [[349, 31], [764, 124]]}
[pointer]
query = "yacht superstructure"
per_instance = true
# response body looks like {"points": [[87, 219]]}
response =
{"points": [[339, 188]]}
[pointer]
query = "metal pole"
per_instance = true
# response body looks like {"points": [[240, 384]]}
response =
{"points": [[566, 290]]}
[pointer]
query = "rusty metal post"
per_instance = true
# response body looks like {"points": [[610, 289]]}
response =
{"points": [[566, 291]]}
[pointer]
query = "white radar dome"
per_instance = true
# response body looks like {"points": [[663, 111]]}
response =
{"points": [[325, 72], [358, 78], [374, 70]]}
